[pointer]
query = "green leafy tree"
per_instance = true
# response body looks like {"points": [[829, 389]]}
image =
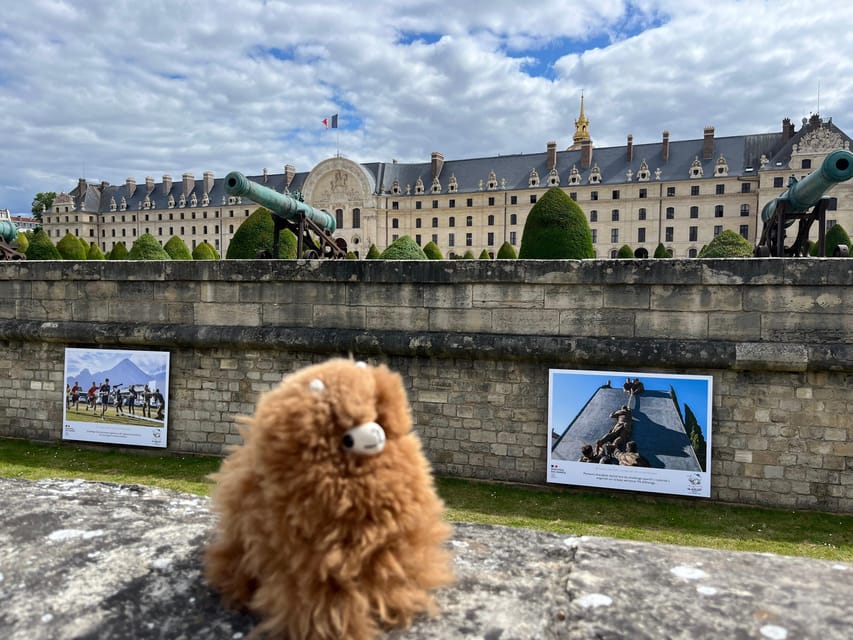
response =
{"points": [[23, 242], [41, 248], [69, 248], [660, 251], [404, 248], [625, 252], [147, 247], [42, 202], [727, 244], [255, 235], [507, 252], [95, 252], [205, 251], [177, 249], [432, 251], [372, 253], [118, 252], [836, 235], [484, 255], [556, 228]]}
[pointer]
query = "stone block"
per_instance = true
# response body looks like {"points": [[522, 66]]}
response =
{"points": [[597, 323], [672, 324]]}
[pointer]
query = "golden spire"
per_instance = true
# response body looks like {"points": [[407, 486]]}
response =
{"points": [[581, 129]]}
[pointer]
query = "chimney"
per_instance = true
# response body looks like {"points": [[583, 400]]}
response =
{"points": [[552, 155], [189, 184], [787, 130], [437, 163], [629, 154], [149, 185], [207, 181], [289, 173], [266, 175], [708, 144], [586, 153], [81, 187], [665, 146], [167, 185], [130, 186]]}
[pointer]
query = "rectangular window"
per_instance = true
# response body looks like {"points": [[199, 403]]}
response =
{"points": [[533, 199], [417, 223], [641, 234], [694, 189], [615, 194], [513, 236], [417, 204], [513, 199], [807, 164], [642, 213], [721, 189], [644, 193], [435, 204], [469, 239], [593, 195], [614, 235], [491, 237], [490, 220], [694, 212], [670, 213], [451, 203], [395, 223], [573, 195], [744, 210], [745, 187], [469, 202], [777, 183], [469, 221], [593, 216], [491, 201], [614, 215], [451, 222], [435, 223], [435, 238], [418, 239], [669, 233], [718, 229], [693, 234], [744, 231], [395, 237], [451, 240], [395, 206], [594, 236], [718, 211], [670, 192]]}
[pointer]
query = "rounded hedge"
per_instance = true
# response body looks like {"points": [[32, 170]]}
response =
{"points": [[404, 248], [432, 252], [255, 235], [41, 248], [372, 253], [95, 252], [727, 244], [625, 252], [484, 255], [556, 229], [177, 249], [507, 252], [205, 251], [118, 252], [147, 247], [23, 242], [69, 248]]}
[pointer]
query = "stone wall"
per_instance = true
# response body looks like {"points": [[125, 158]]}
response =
{"points": [[474, 341]]}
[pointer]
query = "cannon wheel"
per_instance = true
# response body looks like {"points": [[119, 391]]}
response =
{"points": [[841, 251]]}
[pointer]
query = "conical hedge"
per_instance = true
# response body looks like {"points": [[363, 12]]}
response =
{"points": [[255, 235], [147, 247], [404, 248], [727, 244], [556, 229], [69, 248], [507, 252], [205, 251], [432, 251], [118, 252], [177, 249], [41, 248]]}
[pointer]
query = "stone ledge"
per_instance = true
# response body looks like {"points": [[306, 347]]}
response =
{"points": [[89, 561]]}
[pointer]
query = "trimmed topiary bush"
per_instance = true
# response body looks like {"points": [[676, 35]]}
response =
{"points": [[23, 242], [205, 251], [118, 252], [177, 249], [69, 248], [432, 252], [660, 251], [484, 255], [507, 252], [372, 253], [835, 236], [95, 253], [556, 229], [255, 235], [147, 247], [625, 252], [469, 255], [404, 248], [727, 244], [41, 248]]}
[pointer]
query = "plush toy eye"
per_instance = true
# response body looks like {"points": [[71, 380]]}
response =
{"points": [[361, 364], [348, 442], [317, 385]]}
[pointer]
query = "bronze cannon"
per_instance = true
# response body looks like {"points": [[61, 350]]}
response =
{"points": [[312, 227], [804, 201], [9, 241]]}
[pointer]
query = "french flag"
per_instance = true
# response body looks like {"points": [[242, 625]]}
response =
{"points": [[331, 122]]}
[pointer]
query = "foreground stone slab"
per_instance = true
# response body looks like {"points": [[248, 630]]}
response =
{"points": [[85, 561]]}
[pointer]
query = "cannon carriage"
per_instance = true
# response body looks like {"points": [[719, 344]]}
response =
{"points": [[312, 227], [805, 202], [9, 241]]}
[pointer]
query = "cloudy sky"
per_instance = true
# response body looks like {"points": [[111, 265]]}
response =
{"points": [[111, 89]]}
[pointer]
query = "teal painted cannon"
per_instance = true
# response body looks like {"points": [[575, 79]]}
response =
{"points": [[803, 201], [9, 241], [291, 213]]}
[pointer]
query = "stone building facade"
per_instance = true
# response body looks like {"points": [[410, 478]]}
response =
{"points": [[679, 193]]}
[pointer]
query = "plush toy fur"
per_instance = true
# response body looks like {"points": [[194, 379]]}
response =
{"points": [[321, 542]]}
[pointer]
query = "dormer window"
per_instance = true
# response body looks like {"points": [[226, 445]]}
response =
{"points": [[182, 202], [722, 168], [643, 174], [533, 180], [171, 204], [493, 181], [575, 175], [595, 175], [112, 204], [205, 200], [419, 186], [436, 185], [453, 187], [553, 178], [123, 205], [147, 203], [696, 168], [395, 187], [193, 201]]}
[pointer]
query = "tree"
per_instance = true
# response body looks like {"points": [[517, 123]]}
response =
{"points": [[42, 202], [432, 252], [507, 252], [694, 432], [660, 251], [255, 235], [727, 244], [836, 235], [69, 248], [205, 251], [23, 242], [625, 252], [177, 249], [372, 253], [556, 229], [404, 248], [147, 247], [118, 252], [95, 252], [41, 248], [484, 255]]}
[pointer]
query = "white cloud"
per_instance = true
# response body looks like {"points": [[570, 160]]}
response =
{"points": [[116, 89]]}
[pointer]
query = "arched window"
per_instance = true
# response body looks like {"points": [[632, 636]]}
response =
{"points": [[339, 218], [356, 218]]}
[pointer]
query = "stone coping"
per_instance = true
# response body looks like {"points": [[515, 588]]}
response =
{"points": [[89, 560]]}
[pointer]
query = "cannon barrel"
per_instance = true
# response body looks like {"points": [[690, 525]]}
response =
{"points": [[8, 231], [280, 204], [836, 167]]}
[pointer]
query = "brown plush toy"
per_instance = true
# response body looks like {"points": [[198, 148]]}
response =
{"points": [[329, 523]]}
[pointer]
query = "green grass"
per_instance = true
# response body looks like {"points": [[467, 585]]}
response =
{"points": [[564, 510]]}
